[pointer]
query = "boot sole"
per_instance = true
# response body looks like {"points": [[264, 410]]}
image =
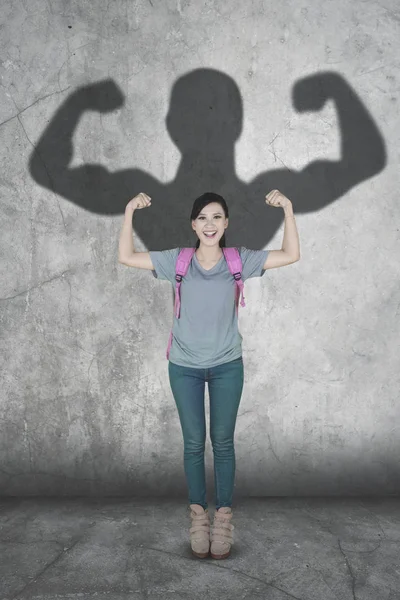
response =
{"points": [[219, 556], [203, 555]]}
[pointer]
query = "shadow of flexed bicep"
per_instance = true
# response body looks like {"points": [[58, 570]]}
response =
{"points": [[90, 186], [363, 151], [363, 155]]}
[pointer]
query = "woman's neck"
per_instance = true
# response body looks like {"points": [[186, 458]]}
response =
{"points": [[202, 257]]}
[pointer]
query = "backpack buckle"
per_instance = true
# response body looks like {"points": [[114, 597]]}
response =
{"points": [[178, 277], [239, 275]]}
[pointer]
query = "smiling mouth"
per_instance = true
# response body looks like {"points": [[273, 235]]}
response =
{"points": [[209, 234]]}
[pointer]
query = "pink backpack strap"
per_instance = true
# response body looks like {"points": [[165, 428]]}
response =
{"points": [[181, 268], [234, 261]]}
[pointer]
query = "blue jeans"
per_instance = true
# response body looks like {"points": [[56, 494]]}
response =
{"points": [[225, 385]]}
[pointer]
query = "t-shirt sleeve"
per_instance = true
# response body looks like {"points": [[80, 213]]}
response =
{"points": [[164, 263], [252, 262]]}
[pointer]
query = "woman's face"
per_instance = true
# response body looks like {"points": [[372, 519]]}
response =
{"points": [[211, 218]]}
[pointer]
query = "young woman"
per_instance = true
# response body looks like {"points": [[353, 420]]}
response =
{"points": [[207, 346]]}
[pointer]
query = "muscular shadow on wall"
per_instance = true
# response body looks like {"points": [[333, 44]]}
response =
{"points": [[204, 121]]}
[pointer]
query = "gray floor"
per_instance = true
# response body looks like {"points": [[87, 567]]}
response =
{"points": [[121, 548]]}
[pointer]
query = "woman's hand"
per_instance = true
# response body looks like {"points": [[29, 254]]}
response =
{"points": [[276, 198], [140, 201]]}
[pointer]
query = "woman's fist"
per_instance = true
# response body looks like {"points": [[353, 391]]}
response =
{"points": [[276, 198], [140, 201]]}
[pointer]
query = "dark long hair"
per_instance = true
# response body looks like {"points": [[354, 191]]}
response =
{"points": [[201, 202]]}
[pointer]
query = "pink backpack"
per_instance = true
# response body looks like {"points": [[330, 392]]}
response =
{"points": [[182, 264]]}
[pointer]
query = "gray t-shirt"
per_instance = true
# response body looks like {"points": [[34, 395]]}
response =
{"points": [[206, 333]]}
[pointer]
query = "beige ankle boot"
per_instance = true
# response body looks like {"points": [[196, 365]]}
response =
{"points": [[200, 531], [222, 533]]}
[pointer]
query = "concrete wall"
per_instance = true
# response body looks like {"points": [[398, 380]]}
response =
{"points": [[100, 101]]}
